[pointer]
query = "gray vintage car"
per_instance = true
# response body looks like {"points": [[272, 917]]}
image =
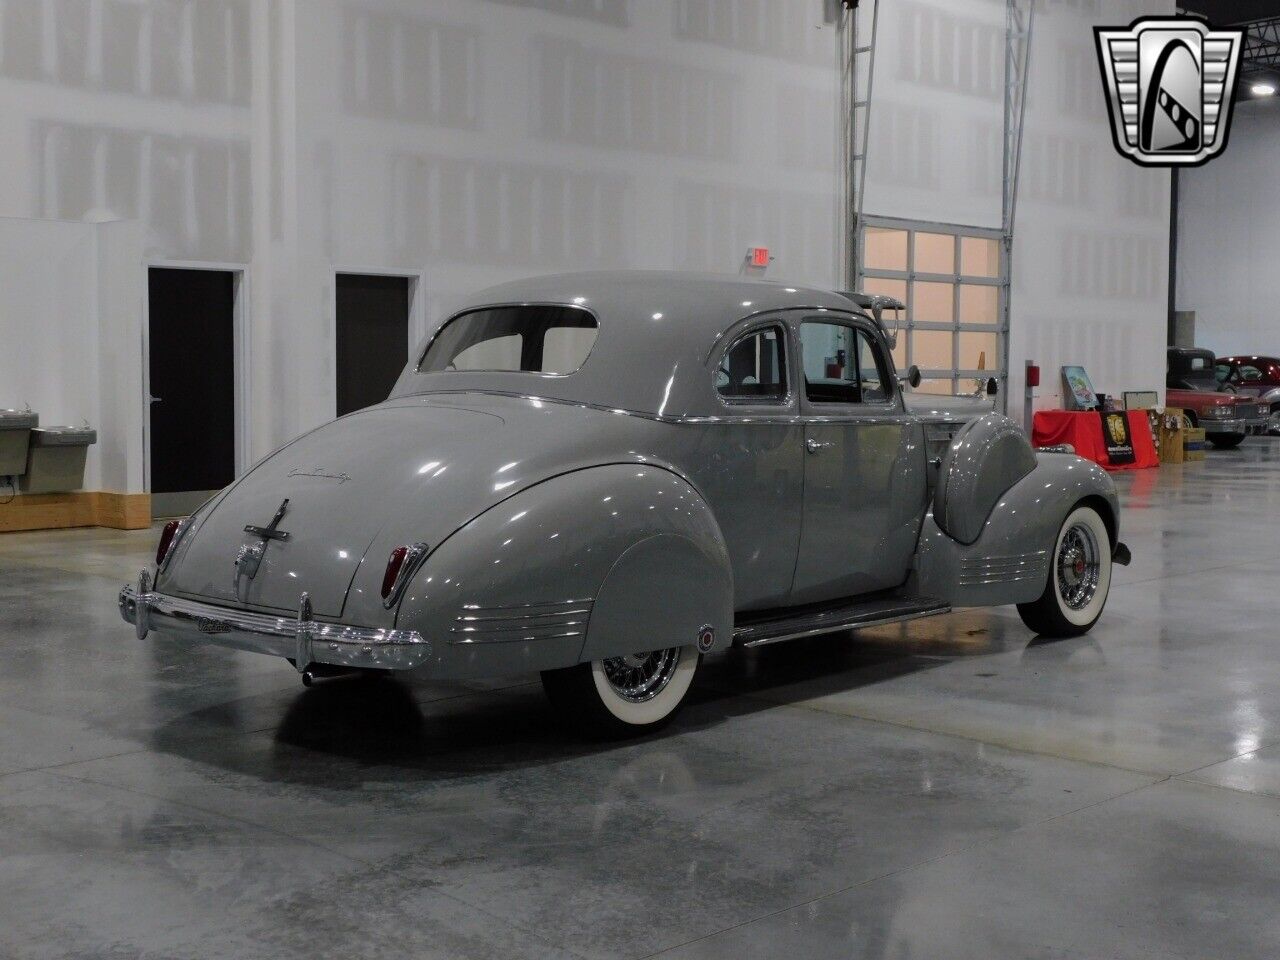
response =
{"points": [[603, 476]]}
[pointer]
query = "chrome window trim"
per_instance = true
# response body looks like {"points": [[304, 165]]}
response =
{"points": [[869, 414], [753, 326], [894, 404], [417, 368]]}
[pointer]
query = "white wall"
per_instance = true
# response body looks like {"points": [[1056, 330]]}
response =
{"points": [[70, 335], [471, 141], [1229, 238], [937, 112], [467, 142], [1091, 241], [479, 142]]}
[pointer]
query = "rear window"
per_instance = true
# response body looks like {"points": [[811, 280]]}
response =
{"points": [[529, 339]]}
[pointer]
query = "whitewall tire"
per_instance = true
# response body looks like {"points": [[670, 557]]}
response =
{"points": [[624, 696], [1079, 578]]}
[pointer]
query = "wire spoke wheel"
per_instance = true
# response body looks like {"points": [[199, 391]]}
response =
{"points": [[639, 677], [1079, 577], [1078, 566]]}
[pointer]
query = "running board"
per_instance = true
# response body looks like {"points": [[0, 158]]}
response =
{"points": [[808, 622]]}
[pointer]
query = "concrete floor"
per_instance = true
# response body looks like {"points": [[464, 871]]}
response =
{"points": [[951, 788]]}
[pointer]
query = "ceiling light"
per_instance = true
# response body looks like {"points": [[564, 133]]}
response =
{"points": [[1263, 89]]}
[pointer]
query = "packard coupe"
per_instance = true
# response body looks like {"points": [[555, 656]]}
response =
{"points": [[602, 477]]}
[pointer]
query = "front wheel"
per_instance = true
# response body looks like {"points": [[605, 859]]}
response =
{"points": [[1225, 441], [623, 696], [1079, 578]]}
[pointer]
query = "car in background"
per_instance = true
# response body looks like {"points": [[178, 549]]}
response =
{"points": [[1253, 376], [1191, 384]]}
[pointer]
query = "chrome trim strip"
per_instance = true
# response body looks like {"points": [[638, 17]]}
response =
{"points": [[283, 636], [525, 606], [893, 414], [552, 625], [548, 620], [856, 625], [1015, 568], [518, 639], [523, 616]]}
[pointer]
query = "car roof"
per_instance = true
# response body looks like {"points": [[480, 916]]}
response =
{"points": [[656, 329]]}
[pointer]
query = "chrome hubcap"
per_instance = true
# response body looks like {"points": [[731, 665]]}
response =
{"points": [[638, 677], [1079, 566]]}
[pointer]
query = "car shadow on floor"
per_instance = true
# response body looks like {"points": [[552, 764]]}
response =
{"points": [[348, 730]]}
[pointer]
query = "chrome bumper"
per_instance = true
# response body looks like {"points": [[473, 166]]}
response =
{"points": [[302, 639], [1244, 427]]}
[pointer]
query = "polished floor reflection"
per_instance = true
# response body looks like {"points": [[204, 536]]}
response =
{"points": [[949, 788]]}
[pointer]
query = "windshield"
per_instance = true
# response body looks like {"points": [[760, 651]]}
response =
{"points": [[526, 338]]}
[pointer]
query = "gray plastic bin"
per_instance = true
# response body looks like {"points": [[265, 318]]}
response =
{"points": [[55, 461], [15, 435]]}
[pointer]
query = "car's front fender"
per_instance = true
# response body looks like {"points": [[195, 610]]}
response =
{"points": [[597, 562], [1011, 557]]}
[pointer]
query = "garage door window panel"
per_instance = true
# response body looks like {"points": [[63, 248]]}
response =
{"points": [[951, 283]]}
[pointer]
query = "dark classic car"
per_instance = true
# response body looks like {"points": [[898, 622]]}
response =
{"points": [[1253, 376], [602, 477], [1192, 384]]}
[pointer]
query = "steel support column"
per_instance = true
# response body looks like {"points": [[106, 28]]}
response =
{"points": [[1018, 20]]}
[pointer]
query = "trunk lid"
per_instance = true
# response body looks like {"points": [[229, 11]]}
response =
{"points": [[343, 483]]}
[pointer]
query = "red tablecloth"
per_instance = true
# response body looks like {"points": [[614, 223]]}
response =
{"points": [[1083, 430]]}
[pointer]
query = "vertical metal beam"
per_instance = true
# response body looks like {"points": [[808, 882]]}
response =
{"points": [[1018, 21], [1018, 18], [859, 50]]}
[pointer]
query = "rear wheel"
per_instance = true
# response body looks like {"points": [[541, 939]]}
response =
{"points": [[623, 696], [1225, 441], [1079, 578]]}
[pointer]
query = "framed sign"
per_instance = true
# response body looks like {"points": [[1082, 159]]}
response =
{"points": [[1141, 399], [1077, 389]]}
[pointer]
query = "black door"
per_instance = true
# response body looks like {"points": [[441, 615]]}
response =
{"points": [[192, 364], [373, 337]]}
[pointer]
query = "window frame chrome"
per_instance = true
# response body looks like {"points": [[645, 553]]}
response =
{"points": [[422, 355], [812, 409], [736, 335]]}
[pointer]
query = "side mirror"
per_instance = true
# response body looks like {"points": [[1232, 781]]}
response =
{"points": [[993, 387], [911, 378]]}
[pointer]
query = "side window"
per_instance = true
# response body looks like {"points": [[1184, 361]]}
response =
{"points": [[871, 370], [1222, 372], [755, 367], [842, 364]]}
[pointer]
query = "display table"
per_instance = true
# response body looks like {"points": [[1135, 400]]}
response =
{"points": [[1085, 430]]}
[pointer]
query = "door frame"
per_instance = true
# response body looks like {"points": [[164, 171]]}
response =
{"points": [[240, 355], [417, 324]]}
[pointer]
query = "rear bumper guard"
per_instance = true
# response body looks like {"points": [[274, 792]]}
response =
{"points": [[302, 639]]}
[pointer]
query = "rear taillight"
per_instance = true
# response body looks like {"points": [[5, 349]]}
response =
{"points": [[168, 537], [400, 567]]}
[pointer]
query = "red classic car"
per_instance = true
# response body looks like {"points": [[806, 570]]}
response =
{"points": [[1192, 384], [1253, 376]]}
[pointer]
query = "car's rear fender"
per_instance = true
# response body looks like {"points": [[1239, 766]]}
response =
{"points": [[598, 562]]}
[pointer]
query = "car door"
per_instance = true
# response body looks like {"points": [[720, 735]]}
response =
{"points": [[748, 460], [864, 464]]}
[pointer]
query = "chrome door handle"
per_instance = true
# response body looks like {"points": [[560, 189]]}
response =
{"points": [[151, 399], [817, 446]]}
